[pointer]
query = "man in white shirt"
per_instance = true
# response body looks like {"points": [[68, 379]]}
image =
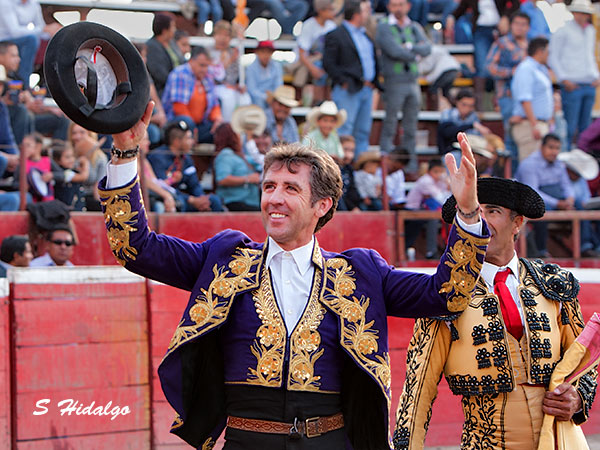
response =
{"points": [[573, 59], [60, 245], [277, 336], [499, 353]]}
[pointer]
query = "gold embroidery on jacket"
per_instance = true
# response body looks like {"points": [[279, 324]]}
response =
{"points": [[357, 335], [463, 262], [305, 343], [208, 444], [176, 423], [269, 345], [120, 222], [212, 304]]}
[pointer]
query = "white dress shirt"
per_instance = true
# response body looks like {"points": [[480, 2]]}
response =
{"points": [[488, 273], [572, 53]]}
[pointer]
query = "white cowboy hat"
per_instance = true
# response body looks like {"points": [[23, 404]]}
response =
{"points": [[581, 6], [249, 118], [479, 145], [580, 162], [284, 94], [327, 108]]}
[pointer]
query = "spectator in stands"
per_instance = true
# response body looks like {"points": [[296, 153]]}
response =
{"points": [[589, 139], [502, 60], [429, 193], [581, 168], [190, 96], [182, 45], [483, 153], [236, 179], [173, 164], [249, 123], [161, 195], [538, 25], [440, 70], [460, 118], [324, 121], [286, 12], [68, 173], [225, 70], [488, 18], [9, 153], [205, 9], [351, 63], [279, 120], [395, 185], [533, 104], [401, 42], [350, 200], [86, 144], [15, 251], [572, 58], [59, 244], [32, 146], [548, 176], [161, 56], [20, 120], [21, 22], [368, 181], [264, 75], [311, 45]]}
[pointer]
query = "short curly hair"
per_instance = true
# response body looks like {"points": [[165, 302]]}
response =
{"points": [[325, 176]]}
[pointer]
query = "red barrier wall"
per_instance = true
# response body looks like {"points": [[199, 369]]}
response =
{"points": [[5, 412]]}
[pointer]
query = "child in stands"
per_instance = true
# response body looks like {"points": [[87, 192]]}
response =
{"points": [[40, 184], [67, 180], [368, 182], [350, 200]]}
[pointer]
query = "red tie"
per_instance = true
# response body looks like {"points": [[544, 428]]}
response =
{"points": [[510, 312]]}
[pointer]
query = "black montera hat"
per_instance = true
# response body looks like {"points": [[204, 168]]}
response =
{"points": [[97, 77], [502, 192]]}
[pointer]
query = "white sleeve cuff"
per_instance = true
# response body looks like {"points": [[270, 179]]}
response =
{"points": [[119, 175], [473, 228]]}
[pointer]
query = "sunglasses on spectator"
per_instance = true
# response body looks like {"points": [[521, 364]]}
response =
{"points": [[60, 242]]}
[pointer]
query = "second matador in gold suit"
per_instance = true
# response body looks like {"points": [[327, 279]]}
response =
{"points": [[500, 352]]}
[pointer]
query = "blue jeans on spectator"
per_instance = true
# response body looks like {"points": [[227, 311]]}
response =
{"points": [[506, 106], [203, 128], [20, 121], [28, 47], [418, 11], [483, 38], [358, 108], [463, 30], [206, 7], [443, 7], [285, 12], [577, 107], [182, 199], [50, 124], [10, 201]]}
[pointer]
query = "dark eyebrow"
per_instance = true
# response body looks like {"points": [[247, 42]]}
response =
{"points": [[286, 183]]}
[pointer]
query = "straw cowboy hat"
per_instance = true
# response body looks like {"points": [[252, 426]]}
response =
{"points": [[249, 118], [584, 164], [286, 95], [97, 77], [581, 6], [327, 108], [366, 157], [479, 145]]}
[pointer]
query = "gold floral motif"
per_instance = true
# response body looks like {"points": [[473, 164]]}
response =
{"points": [[176, 423], [357, 335], [208, 444], [120, 222], [269, 347], [305, 342], [212, 304], [462, 260]]}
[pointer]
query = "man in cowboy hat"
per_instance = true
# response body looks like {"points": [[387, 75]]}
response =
{"points": [[573, 59], [324, 121], [279, 119], [249, 122], [500, 352], [283, 343]]}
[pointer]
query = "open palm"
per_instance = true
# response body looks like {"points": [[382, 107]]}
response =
{"points": [[463, 180]]}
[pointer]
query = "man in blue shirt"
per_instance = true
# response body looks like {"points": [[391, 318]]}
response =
{"points": [[174, 168], [279, 120], [548, 177], [533, 106], [264, 75]]}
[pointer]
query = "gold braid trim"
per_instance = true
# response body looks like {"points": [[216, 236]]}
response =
{"points": [[358, 336], [120, 222], [269, 345], [212, 304], [463, 262], [305, 343]]}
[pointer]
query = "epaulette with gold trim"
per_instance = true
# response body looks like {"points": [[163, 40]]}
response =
{"points": [[555, 282]]}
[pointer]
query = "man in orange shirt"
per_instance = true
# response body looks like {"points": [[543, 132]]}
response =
{"points": [[190, 96]]}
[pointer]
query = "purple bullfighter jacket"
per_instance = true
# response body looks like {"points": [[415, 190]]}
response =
{"points": [[232, 331]]}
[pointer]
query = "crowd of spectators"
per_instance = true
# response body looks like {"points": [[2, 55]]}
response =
{"points": [[347, 63]]}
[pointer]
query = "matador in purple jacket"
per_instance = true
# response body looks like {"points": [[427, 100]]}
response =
{"points": [[282, 343]]}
